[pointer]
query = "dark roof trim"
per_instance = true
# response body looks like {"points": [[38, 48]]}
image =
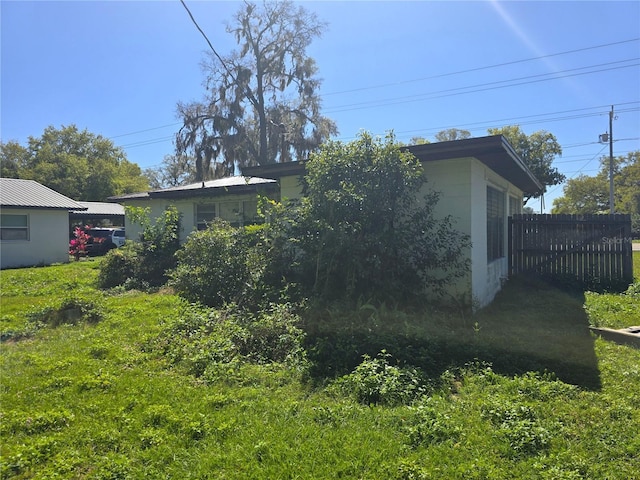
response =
{"points": [[493, 151]]}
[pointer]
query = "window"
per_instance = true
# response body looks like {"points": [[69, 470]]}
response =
{"points": [[14, 227], [205, 214], [495, 224]]}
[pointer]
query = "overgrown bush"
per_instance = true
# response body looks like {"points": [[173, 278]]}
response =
{"points": [[218, 265], [366, 227], [146, 263], [118, 266]]}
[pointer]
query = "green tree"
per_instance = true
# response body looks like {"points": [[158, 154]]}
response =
{"points": [[175, 170], [590, 195], [364, 228], [452, 134], [78, 164], [13, 158], [537, 150], [261, 104]]}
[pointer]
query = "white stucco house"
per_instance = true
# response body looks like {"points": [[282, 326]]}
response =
{"points": [[34, 224], [481, 181]]}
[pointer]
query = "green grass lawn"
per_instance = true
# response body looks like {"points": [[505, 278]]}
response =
{"points": [[95, 400]]}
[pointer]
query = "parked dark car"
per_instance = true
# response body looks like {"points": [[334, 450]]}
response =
{"points": [[101, 240]]}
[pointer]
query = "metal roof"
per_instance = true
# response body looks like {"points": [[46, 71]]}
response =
{"points": [[100, 208], [18, 193], [220, 186], [494, 151]]}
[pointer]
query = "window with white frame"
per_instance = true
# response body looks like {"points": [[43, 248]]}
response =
{"points": [[14, 227], [495, 224]]}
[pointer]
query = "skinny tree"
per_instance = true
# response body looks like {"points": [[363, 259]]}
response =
{"points": [[262, 104]]}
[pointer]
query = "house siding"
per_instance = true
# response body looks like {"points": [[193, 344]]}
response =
{"points": [[48, 241]]}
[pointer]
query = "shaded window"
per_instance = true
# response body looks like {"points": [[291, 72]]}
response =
{"points": [[205, 214], [495, 224], [14, 227]]}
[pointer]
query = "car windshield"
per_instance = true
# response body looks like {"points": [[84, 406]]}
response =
{"points": [[99, 233]]}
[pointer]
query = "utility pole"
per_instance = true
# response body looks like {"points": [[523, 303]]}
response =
{"points": [[603, 139], [611, 207]]}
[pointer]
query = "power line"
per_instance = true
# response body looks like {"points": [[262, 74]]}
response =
{"points": [[482, 87], [476, 69]]}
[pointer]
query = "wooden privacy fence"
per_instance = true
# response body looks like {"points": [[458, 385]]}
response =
{"points": [[594, 250]]}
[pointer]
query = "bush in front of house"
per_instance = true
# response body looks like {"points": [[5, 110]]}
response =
{"points": [[214, 265], [145, 263], [366, 227]]}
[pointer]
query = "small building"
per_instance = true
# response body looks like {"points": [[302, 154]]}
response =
{"points": [[34, 224], [482, 181], [234, 199]]}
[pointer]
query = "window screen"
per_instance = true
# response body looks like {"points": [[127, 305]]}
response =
{"points": [[495, 224]]}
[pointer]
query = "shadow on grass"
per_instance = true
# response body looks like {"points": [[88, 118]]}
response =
{"points": [[531, 326]]}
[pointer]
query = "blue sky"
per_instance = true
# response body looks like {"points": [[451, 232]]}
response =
{"points": [[118, 69]]}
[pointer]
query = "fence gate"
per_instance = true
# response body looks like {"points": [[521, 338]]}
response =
{"points": [[594, 250]]}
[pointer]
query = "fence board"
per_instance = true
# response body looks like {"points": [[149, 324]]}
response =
{"points": [[594, 250]]}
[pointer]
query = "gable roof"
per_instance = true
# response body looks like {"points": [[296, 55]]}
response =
{"points": [[18, 193], [210, 188], [494, 151]]}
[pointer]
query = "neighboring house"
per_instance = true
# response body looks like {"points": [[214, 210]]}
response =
{"points": [[34, 224], [481, 180], [233, 199], [98, 214]]}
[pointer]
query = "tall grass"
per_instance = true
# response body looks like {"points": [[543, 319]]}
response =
{"points": [[98, 400]]}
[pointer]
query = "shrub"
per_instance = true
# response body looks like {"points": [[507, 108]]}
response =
{"points": [[375, 381], [147, 263], [118, 266], [212, 266], [362, 229]]}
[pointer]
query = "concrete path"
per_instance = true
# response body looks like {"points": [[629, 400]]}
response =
{"points": [[635, 247]]}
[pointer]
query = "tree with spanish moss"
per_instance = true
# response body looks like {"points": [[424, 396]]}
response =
{"points": [[261, 104]]}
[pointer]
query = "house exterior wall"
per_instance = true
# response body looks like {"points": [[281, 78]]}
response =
{"points": [[48, 239], [290, 187]]}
